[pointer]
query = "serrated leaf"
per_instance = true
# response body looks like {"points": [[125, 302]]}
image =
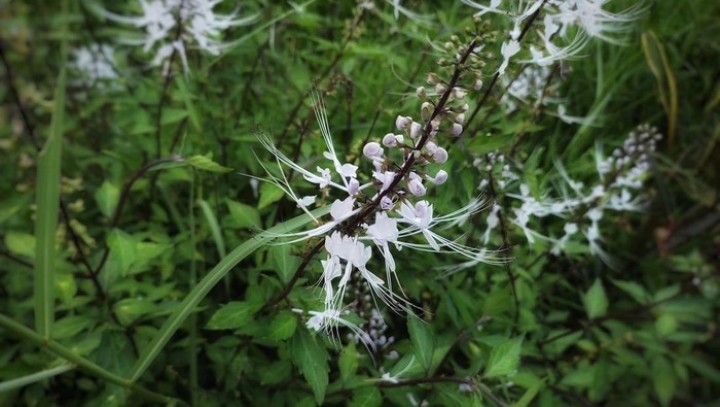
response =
{"points": [[282, 326], [421, 336], [504, 358], [284, 263], [205, 163], [269, 194], [245, 216], [107, 197], [312, 360], [595, 300], [232, 315], [366, 397]]}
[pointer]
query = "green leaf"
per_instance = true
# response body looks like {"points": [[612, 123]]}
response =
{"points": [[421, 336], [173, 115], [312, 360], [348, 362], [122, 250], [245, 216], [20, 243], [284, 263], [366, 397], [206, 163], [130, 309], [595, 300], [277, 372], [504, 358], [233, 315], [666, 324], [107, 197], [663, 380], [282, 326], [635, 290], [269, 194], [184, 309]]}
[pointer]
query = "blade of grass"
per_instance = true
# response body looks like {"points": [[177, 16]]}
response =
{"points": [[214, 227], [28, 335], [184, 309], [35, 377], [48, 203]]}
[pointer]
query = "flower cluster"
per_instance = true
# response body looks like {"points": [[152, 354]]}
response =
{"points": [[383, 211], [620, 178], [563, 30], [171, 25]]}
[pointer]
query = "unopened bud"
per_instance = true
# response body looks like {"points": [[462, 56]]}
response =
{"points": [[440, 88], [415, 129], [421, 92], [402, 122], [386, 203], [440, 177], [353, 187], [389, 140], [431, 147], [372, 150], [478, 84], [460, 118], [459, 93], [440, 155], [432, 79], [416, 187], [457, 129], [426, 110]]}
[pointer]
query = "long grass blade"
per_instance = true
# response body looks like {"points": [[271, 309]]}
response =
{"points": [[48, 203], [199, 292]]}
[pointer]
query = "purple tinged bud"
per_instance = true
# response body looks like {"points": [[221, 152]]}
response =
{"points": [[389, 140], [440, 155], [457, 129], [431, 147], [416, 187], [440, 177], [402, 122], [399, 138], [354, 186], [372, 150], [386, 203], [415, 129]]}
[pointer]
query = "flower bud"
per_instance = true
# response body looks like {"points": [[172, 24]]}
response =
{"points": [[431, 147], [459, 93], [421, 92], [432, 79], [478, 84], [389, 140], [440, 88], [415, 129], [372, 150], [416, 187], [400, 138], [386, 203], [426, 110], [353, 186], [457, 129], [440, 177], [460, 118], [402, 122], [440, 155]]}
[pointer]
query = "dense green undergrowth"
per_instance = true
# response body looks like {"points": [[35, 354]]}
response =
{"points": [[141, 263]]}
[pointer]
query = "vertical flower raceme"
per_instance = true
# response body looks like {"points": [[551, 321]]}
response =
{"points": [[173, 26], [618, 188], [382, 204]]}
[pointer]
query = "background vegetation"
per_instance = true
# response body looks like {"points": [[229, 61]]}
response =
{"points": [[134, 269]]}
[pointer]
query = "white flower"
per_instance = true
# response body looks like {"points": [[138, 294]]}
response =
{"points": [[341, 210], [95, 64]]}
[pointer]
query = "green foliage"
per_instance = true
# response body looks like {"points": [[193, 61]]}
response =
{"points": [[126, 202]]}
